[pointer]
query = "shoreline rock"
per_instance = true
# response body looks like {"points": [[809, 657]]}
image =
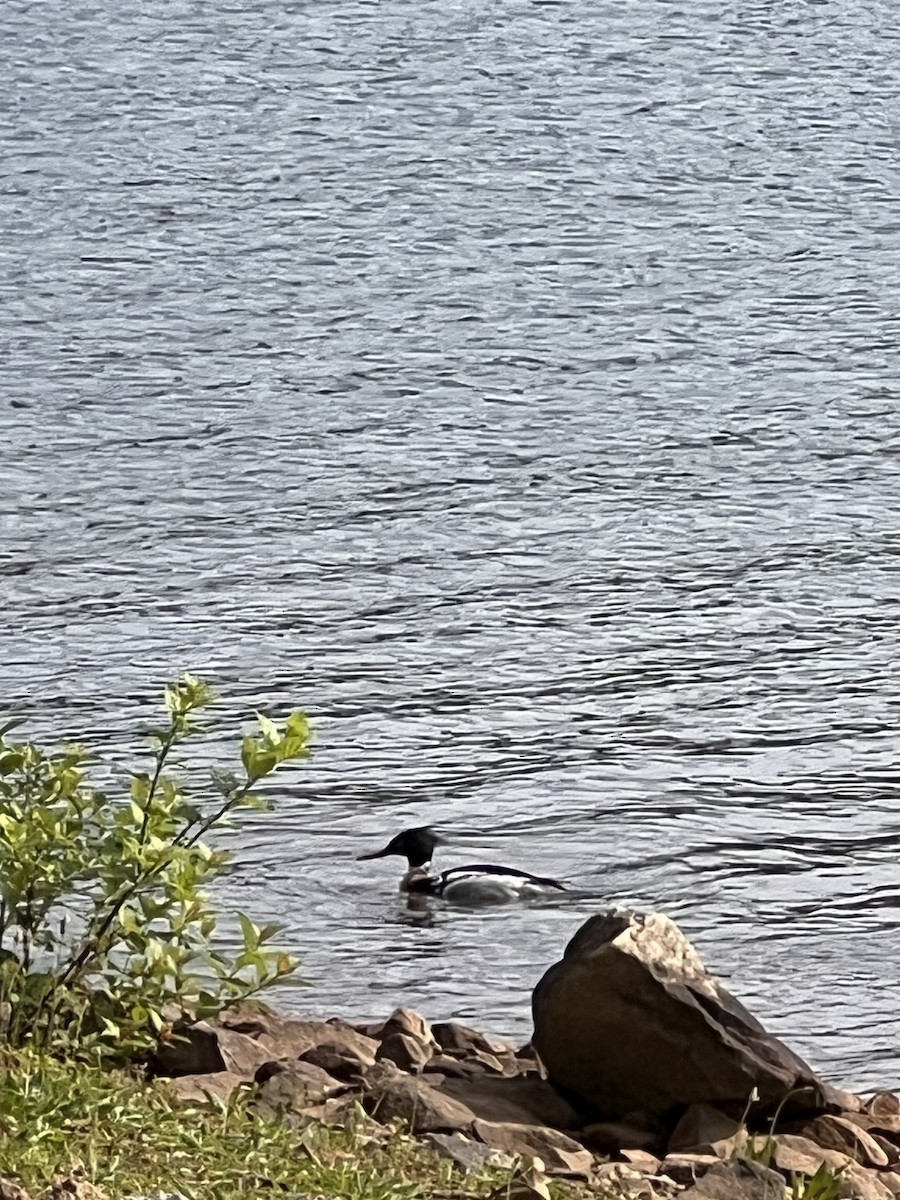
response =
{"points": [[477, 1115], [638, 1056], [630, 1018]]}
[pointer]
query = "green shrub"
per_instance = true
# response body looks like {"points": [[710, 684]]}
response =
{"points": [[106, 929]]}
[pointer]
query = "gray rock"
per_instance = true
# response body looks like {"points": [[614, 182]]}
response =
{"points": [[561, 1155], [406, 1052], [293, 1086], [631, 1019], [686, 1168], [407, 1021], [705, 1130], [837, 1133], [391, 1095], [466, 1154], [737, 1180], [205, 1091], [611, 1137]]}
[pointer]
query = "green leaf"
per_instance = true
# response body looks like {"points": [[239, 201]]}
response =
{"points": [[297, 726], [269, 729], [251, 933]]}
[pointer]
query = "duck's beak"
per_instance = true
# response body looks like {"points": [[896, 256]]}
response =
{"points": [[377, 854]]}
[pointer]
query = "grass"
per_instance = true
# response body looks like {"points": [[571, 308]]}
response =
{"points": [[129, 1139]]}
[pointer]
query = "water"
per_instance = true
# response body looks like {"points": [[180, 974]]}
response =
{"points": [[513, 387]]}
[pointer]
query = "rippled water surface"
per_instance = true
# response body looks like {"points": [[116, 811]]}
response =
{"points": [[514, 386]]}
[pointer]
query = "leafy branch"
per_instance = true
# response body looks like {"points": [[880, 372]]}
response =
{"points": [[103, 901]]}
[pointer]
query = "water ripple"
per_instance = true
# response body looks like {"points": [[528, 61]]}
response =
{"points": [[513, 387]]}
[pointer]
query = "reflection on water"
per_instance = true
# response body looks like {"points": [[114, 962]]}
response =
{"points": [[514, 387]]}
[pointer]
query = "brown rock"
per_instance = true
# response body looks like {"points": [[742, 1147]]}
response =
{"points": [[240, 1041], [205, 1091], [521, 1099], [837, 1133], [561, 1155], [795, 1155], [843, 1103], [370, 1029], [460, 1040], [630, 1018], [706, 1130], [498, 1066], [527, 1054], [857, 1183], [342, 1059], [621, 1180], [75, 1187], [737, 1180], [293, 1086], [642, 1160], [890, 1179], [890, 1149], [411, 1023], [883, 1104], [611, 1137], [408, 1053], [301, 1036], [455, 1068], [474, 1067], [686, 1168], [862, 1185], [345, 1112], [885, 1126], [392, 1095], [11, 1191], [203, 1048], [289, 1037]]}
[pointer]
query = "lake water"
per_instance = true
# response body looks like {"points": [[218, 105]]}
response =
{"points": [[514, 387]]}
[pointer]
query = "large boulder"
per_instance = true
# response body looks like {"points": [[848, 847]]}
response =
{"points": [[630, 1021], [521, 1099]]}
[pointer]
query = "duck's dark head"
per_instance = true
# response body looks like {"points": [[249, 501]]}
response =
{"points": [[415, 845]]}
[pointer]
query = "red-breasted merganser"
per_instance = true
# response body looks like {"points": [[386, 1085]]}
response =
{"points": [[477, 884]]}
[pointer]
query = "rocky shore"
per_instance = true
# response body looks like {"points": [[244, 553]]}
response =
{"points": [[644, 1077]]}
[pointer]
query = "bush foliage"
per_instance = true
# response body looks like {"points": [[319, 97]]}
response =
{"points": [[106, 928]]}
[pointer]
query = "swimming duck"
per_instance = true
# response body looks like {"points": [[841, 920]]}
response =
{"points": [[477, 884]]}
